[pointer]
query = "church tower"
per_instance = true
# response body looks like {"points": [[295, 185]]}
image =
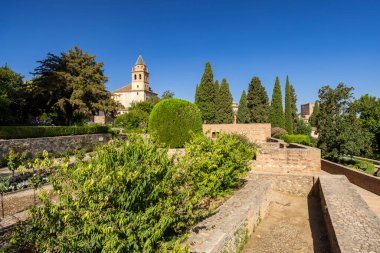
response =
{"points": [[140, 76]]}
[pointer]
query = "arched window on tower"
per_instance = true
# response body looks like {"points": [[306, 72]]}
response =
{"points": [[135, 77], [140, 76]]}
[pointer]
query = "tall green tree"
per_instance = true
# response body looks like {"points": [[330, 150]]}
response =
{"points": [[243, 111], [258, 102], [314, 115], [276, 110], [294, 110], [72, 86], [207, 95], [196, 97], [224, 111], [288, 108], [340, 131], [13, 95]]}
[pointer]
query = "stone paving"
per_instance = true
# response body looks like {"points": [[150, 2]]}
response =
{"points": [[355, 225]]}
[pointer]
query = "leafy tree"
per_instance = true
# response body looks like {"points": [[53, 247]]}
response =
{"points": [[207, 96], [368, 108], [167, 94], [314, 115], [72, 85], [276, 110], [196, 94], [13, 96], [340, 132], [288, 107], [302, 128], [224, 111], [258, 102], [243, 111], [294, 107]]}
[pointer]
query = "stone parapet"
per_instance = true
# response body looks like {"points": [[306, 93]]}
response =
{"points": [[351, 225], [257, 132]]}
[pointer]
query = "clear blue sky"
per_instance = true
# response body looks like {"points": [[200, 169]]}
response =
{"points": [[314, 42]]}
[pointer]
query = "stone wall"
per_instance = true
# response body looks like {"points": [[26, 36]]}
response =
{"points": [[254, 132], [293, 158], [361, 179], [54, 145], [351, 225]]}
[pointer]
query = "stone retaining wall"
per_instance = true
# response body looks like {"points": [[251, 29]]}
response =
{"points": [[258, 132], [54, 145], [361, 179], [351, 225]]}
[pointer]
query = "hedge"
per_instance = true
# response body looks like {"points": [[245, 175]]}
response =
{"points": [[297, 138], [172, 121], [20, 132]]}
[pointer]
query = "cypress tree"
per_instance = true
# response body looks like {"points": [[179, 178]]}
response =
{"points": [[294, 107], [196, 94], [258, 102], [224, 112], [288, 108], [276, 109], [206, 95], [243, 111], [217, 88], [314, 115]]}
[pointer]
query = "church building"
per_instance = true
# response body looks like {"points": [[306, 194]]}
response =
{"points": [[138, 90]]}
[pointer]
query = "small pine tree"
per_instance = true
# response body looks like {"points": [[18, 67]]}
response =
{"points": [[276, 109], [207, 95], [243, 111], [224, 111], [258, 102], [288, 108]]}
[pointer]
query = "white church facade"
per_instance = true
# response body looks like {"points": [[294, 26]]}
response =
{"points": [[138, 90]]}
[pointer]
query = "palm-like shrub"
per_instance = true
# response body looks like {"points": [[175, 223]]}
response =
{"points": [[172, 121]]}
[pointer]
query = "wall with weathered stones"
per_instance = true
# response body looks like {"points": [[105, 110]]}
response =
{"points": [[258, 132], [361, 179], [54, 145], [352, 226], [292, 158]]}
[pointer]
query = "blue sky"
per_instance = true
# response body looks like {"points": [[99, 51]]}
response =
{"points": [[314, 42]]}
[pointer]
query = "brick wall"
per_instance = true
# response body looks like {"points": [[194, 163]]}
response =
{"points": [[254, 132], [363, 180]]}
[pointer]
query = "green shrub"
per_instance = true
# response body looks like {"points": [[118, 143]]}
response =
{"points": [[364, 166], [134, 119], [20, 132], [131, 197], [297, 138], [277, 132], [172, 121]]}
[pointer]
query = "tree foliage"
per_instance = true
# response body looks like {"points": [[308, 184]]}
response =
{"points": [[288, 108], [131, 197], [340, 132], [167, 94], [243, 111], [224, 111], [276, 110], [258, 102], [172, 121], [71, 86], [314, 115], [206, 95], [294, 111]]}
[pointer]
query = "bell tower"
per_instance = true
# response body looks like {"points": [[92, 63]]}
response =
{"points": [[140, 75]]}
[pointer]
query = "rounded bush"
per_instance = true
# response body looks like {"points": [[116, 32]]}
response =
{"points": [[172, 121], [277, 132]]}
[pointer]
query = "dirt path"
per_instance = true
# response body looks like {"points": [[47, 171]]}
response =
{"points": [[292, 224]]}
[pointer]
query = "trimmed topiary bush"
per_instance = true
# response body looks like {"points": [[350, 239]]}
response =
{"points": [[172, 121]]}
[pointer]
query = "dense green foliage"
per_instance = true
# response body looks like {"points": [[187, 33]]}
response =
{"points": [[303, 128], [297, 138], [224, 111], [360, 165], [131, 197], [243, 115], [172, 121], [314, 115], [20, 132], [258, 102], [340, 131], [13, 97], [206, 96], [167, 94], [289, 121], [276, 115], [293, 107]]}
